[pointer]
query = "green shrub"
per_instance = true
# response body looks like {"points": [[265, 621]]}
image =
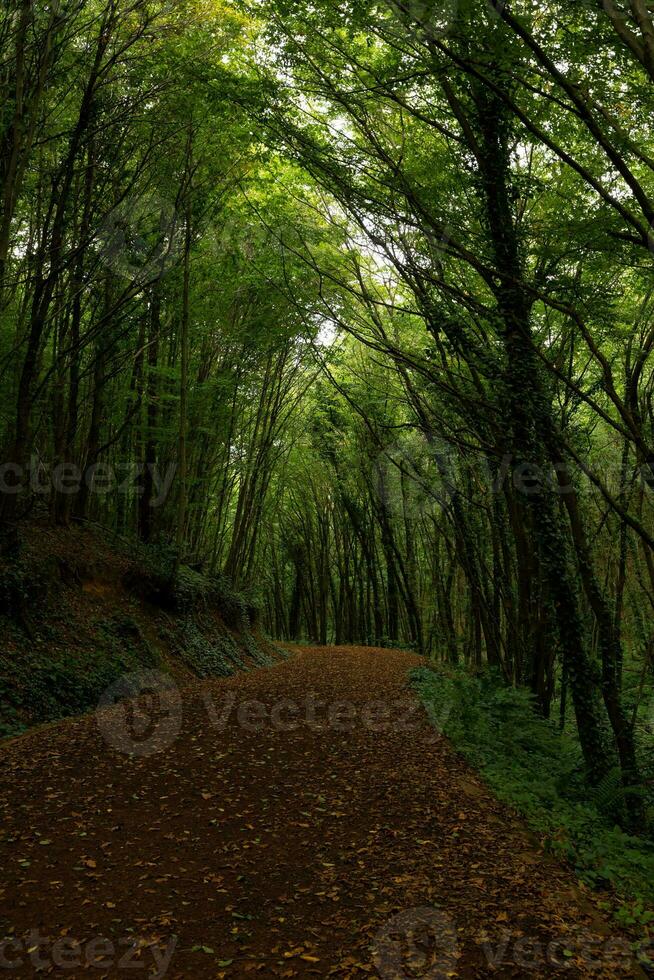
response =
{"points": [[45, 690], [155, 576], [215, 652], [215, 657], [24, 587], [238, 611], [10, 720]]}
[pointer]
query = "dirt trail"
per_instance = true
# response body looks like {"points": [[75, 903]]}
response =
{"points": [[276, 834]]}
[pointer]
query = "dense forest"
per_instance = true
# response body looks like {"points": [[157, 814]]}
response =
{"points": [[351, 304]]}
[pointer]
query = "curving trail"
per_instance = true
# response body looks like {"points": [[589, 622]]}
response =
{"points": [[277, 834]]}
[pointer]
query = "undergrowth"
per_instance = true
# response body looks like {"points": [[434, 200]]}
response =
{"points": [[51, 668], [45, 688], [219, 656], [538, 770]]}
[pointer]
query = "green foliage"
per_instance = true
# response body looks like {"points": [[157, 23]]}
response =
{"points": [[11, 721], [211, 649], [191, 589], [533, 767], [214, 655], [56, 687], [23, 584], [388, 644], [238, 610], [157, 576]]}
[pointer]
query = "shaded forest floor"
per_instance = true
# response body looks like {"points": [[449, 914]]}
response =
{"points": [[80, 608], [299, 820]]}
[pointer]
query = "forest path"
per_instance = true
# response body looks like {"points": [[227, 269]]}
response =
{"points": [[277, 834]]}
